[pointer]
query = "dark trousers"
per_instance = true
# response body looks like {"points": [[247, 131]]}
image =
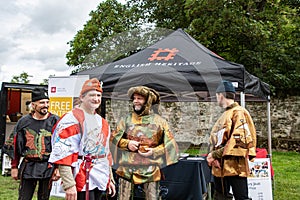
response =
{"points": [[94, 194], [238, 184], [27, 188]]}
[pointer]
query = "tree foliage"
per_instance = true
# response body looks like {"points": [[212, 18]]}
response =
{"points": [[123, 45], [109, 18], [22, 78], [263, 35], [168, 14]]}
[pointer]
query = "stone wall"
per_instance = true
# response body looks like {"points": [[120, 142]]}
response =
{"points": [[285, 122], [191, 122]]}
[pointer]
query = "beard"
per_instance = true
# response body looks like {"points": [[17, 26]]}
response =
{"points": [[43, 111], [138, 109]]}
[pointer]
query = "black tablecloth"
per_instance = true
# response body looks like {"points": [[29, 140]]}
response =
{"points": [[185, 180]]}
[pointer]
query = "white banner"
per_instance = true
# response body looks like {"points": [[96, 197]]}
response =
{"points": [[66, 86], [63, 92]]}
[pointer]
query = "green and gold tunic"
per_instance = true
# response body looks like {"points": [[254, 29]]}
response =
{"points": [[151, 130]]}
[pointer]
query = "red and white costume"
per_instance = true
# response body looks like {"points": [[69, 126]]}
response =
{"points": [[79, 134]]}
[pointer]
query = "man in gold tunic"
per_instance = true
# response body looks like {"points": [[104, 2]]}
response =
{"points": [[233, 142], [144, 144]]}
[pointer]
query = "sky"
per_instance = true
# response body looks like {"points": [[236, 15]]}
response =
{"points": [[34, 36]]}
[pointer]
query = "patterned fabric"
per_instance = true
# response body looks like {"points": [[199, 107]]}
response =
{"points": [[151, 130], [33, 142], [80, 133], [126, 189], [235, 135]]}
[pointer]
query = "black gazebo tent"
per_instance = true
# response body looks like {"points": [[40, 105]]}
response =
{"points": [[181, 69]]}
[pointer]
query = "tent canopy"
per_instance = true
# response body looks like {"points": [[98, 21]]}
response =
{"points": [[178, 67]]}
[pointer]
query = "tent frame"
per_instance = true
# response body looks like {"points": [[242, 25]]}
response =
{"points": [[200, 72], [243, 104]]}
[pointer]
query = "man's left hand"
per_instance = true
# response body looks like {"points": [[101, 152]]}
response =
{"points": [[148, 153], [55, 175], [112, 189], [209, 159], [216, 164], [212, 162]]}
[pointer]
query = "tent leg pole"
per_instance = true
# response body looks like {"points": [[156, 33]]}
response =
{"points": [[270, 139], [243, 104], [269, 127]]}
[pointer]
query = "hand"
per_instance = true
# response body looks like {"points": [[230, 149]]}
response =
{"points": [[209, 159], [212, 162], [133, 145], [14, 173], [148, 153], [216, 164], [71, 193], [55, 175], [111, 189]]}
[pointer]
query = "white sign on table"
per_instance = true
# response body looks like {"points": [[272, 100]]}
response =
{"points": [[260, 183]]}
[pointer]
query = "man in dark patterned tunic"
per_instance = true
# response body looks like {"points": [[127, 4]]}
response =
{"points": [[32, 141]]}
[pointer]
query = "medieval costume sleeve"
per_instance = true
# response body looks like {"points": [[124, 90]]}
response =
{"points": [[118, 140], [16, 157], [66, 176], [169, 147], [66, 139], [19, 140]]}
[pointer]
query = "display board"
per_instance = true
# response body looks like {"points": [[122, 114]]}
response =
{"points": [[260, 183], [64, 92]]}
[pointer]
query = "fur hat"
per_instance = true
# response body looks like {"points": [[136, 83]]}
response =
{"points": [[152, 97], [91, 84], [38, 94], [225, 86]]}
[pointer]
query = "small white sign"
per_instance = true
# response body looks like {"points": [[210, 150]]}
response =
{"points": [[260, 183], [57, 189]]}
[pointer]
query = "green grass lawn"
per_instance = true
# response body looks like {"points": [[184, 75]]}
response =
{"points": [[285, 184]]}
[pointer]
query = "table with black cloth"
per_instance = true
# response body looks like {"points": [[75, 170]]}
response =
{"points": [[185, 180]]}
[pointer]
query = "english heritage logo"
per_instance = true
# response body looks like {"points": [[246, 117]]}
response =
{"points": [[163, 54], [53, 89]]}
